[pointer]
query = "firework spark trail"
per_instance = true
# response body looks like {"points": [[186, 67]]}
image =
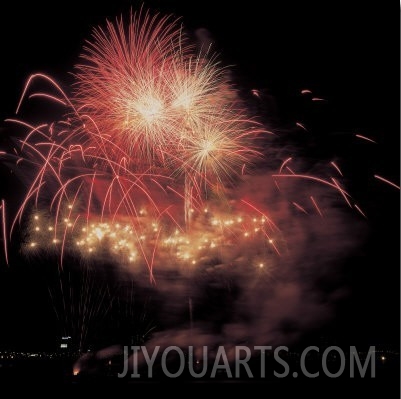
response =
{"points": [[55, 308], [4, 228], [387, 181], [299, 207], [365, 138], [316, 206], [38, 180], [318, 99], [152, 279], [65, 154], [48, 97], [343, 193], [269, 221], [53, 83], [335, 166], [67, 226], [78, 297], [336, 186], [284, 164], [302, 126], [360, 211], [290, 170], [94, 300], [63, 297]]}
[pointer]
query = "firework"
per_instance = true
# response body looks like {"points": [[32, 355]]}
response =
{"points": [[144, 88], [149, 117], [146, 172], [155, 172], [387, 181]]}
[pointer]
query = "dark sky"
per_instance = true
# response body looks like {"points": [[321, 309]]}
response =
{"points": [[347, 54]]}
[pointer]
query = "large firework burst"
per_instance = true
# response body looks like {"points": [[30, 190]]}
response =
{"points": [[149, 118]]}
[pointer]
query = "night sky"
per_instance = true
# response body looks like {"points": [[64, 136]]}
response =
{"points": [[345, 54]]}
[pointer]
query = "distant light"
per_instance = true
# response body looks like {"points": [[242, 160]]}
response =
{"points": [[383, 358], [261, 264]]}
